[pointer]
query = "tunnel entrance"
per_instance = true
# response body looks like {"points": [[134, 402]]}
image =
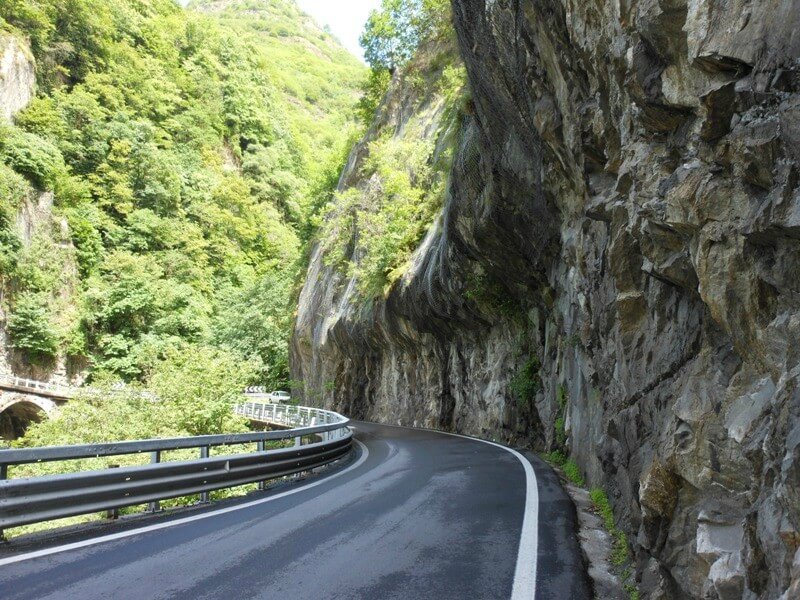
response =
{"points": [[15, 420]]}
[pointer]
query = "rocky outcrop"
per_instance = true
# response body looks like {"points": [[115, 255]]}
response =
{"points": [[621, 228], [17, 75]]}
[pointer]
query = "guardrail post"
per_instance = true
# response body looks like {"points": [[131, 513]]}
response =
{"points": [[260, 447], [204, 452], [112, 513], [297, 441], [3, 475], [155, 457]]}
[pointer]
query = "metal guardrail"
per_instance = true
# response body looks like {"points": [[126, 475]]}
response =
{"points": [[35, 499]]}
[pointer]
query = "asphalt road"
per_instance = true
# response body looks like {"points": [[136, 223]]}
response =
{"points": [[413, 514]]}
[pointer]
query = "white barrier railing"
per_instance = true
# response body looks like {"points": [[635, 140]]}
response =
{"points": [[38, 386], [34, 386], [286, 415]]}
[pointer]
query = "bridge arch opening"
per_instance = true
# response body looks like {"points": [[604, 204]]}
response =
{"points": [[17, 417]]}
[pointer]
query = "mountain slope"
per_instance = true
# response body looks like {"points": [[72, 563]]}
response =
{"points": [[182, 162], [317, 80]]}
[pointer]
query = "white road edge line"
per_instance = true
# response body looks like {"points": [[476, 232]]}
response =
{"points": [[199, 517], [527, 555], [525, 571]]}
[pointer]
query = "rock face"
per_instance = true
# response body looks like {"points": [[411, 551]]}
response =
{"points": [[622, 220], [17, 75]]}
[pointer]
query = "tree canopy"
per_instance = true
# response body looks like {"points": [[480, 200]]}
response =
{"points": [[395, 30]]}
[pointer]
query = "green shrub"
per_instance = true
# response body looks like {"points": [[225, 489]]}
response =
{"points": [[198, 387], [375, 88], [490, 294], [12, 191], [526, 382], [84, 226], [393, 32], [556, 457], [573, 473], [571, 470], [561, 420], [603, 506], [255, 323], [31, 327], [561, 433], [36, 158], [391, 219]]}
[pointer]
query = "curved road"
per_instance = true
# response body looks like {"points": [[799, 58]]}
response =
{"points": [[413, 514]]}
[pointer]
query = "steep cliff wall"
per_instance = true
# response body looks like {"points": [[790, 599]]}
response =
{"points": [[17, 75], [617, 260]]}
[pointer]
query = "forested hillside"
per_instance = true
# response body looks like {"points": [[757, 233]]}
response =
{"points": [[184, 150]]}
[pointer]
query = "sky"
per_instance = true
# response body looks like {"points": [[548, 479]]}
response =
{"points": [[345, 18]]}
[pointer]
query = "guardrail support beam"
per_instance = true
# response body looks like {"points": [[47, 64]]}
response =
{"points": [[112, 513], [260, 447], [155, 506], [3, 475], [204, 452]]}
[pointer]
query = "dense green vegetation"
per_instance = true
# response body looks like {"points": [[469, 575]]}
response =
{"points": [[394, 32], [190, 156], [371, 230], [315, 83], [196, 394], [527, 382], [186, 151], [168, 171]]}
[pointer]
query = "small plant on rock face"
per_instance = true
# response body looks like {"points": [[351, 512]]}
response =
{"points": [[527, 382], [573, 473], [556, 457], [619, 554], [490, 294], [574, 340], [560, 434]]}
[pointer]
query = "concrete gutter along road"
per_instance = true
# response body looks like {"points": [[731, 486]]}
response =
{"points": [[413, 514]]}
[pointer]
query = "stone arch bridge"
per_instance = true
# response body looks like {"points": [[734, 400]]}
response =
{"points": [[25, 401]]}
